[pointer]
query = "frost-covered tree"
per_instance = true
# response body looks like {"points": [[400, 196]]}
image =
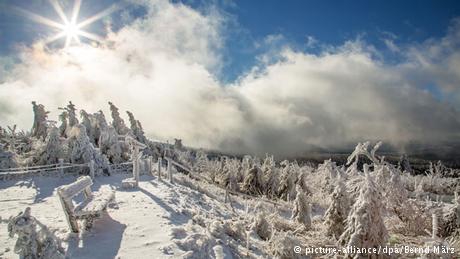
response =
{"points": [[89, 122], [136, 128], [288, 178], [251, 182], [82, 150], [7, 158], [201, 162], [362, 149], [404, 164], [71, 114], [301, 212], [337, 213], [395, 194], [40, 126], [365, 226], [117, 122], [53, 148], [63, 128]]}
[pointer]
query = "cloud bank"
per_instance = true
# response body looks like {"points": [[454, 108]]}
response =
{"points": [[163, 68]]}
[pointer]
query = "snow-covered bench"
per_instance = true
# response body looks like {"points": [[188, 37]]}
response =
{"points": [[92, 207]]}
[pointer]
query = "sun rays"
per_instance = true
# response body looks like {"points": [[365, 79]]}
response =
{"points": [[69, 27]]}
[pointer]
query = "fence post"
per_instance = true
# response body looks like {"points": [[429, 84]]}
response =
{"points": [[136, 165], [435, 226], [169, 171], [91, 169], [150, 159], [226, 196], [159, 168], [61, 164]]}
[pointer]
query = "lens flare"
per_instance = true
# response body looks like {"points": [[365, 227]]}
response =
{"points": [[69, 28]]}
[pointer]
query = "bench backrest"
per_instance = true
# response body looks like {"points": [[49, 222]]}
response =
{"points": [[67, 192]]}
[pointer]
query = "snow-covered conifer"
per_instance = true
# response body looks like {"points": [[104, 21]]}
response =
{"points": [[40, 126], [251, 182], [365, 226], [136, 128], [82, 150], [302, 210], [63, 128], [117, 122], [53, 148], [337, 213]]}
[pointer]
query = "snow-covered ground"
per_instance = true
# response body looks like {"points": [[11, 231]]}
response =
{"points": [[156, 220]]}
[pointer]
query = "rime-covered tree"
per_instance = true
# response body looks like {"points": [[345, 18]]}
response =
{"points": [[365, 226], [63, 128], [288, 178], [7, 158], [107, 140], [82, 150], [40, 126], [89, 122], [201, 161], [117, 122], [336, 215], [136, 128], [301, 212], [100, 124], [71, 114], [53, 148], [404, 164], [251, 182]]}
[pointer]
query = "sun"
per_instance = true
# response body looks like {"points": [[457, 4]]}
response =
{"points": [[71, 31], [69, 28]]}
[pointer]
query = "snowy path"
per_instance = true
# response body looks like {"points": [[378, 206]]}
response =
{"points": [[139, 227]]}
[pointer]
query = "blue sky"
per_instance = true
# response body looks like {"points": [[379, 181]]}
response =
{"points": [[247, 76], [328, 22]]}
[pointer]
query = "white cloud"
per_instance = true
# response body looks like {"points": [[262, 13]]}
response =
{"points": [[162, 67]]}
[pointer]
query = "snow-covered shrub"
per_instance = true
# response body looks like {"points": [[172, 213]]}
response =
{"points": [[34, 241], [337, 213], [288, 179], [301, 212], [7, 158], [52, 150], [365, 226], [252, 181], [201, 162], [261, 226], [404, 164], [328, 171], [450, 219], [82, 150], [282, 245]]}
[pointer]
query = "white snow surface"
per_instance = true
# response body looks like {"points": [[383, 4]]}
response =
{"points": [[156, 220]]}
